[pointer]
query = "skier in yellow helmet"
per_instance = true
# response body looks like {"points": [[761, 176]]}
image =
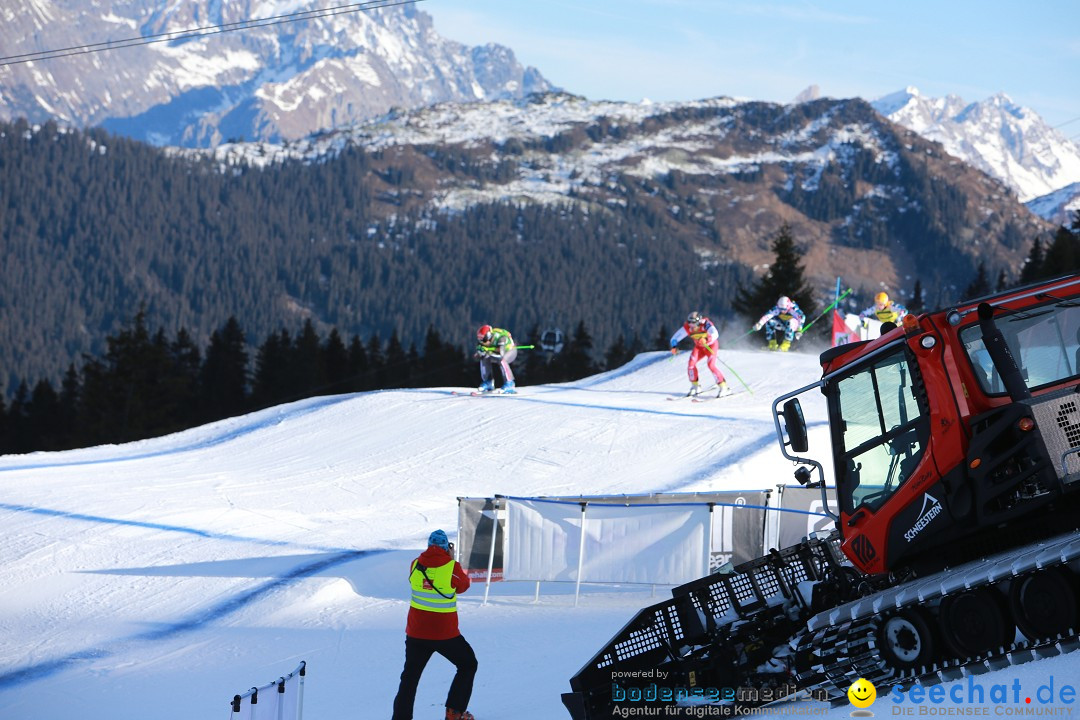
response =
{"points": [[884, 310]]}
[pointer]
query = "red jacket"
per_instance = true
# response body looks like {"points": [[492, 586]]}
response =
{"points": [[430, 625]]}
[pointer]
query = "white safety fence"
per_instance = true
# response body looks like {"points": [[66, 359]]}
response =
{"points": [[282, 699], [560, 541], [659, 539]]}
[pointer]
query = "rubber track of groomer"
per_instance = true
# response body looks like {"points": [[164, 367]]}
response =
{"points": [[845, 638]]}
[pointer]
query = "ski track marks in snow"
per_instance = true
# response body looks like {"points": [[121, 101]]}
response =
{"points": [[160, 578], [181, 626]]}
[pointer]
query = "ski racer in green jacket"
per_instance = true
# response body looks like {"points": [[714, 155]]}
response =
{"points": [[495, 348]]}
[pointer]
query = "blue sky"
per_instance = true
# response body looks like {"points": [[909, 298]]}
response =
{"points": [[772, 50]]}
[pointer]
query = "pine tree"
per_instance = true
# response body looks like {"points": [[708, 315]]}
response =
{"points": [[1063, 255], [617, 355], [224, 377], [336, 362], [376, 376], [18, 420], [662, 341], [784, 277], [441, 364], [359, 368], [186, 362], [536, 366], [915, 305], [132, 372], [308, 361], [397, 363], [6, 445], [980, 285], [272, 381], [43, 418], [575, 361], [1002, 281], [70, 391], [1032, 269]]}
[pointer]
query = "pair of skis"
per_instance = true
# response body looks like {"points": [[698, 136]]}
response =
{"points": [[490, 393], [703, 396]]}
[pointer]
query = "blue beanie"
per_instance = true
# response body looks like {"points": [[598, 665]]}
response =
{"points": [[438, 539]]}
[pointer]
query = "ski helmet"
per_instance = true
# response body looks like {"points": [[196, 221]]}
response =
{"points": [[784, 302], [881, 299], [484, 333], [693, 319]]}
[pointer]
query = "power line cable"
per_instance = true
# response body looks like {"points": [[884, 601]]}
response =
{"points": [[201, 31]]}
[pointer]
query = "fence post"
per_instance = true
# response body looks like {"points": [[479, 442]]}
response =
{"points": [[300, 691], [491, 551], [581, 555], [708, 541], [772, 521]]}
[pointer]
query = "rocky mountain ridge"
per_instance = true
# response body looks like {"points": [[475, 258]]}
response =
{"points": [[1001, 138], [277, 82]]}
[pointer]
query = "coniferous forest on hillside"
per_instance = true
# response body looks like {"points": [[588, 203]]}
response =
{"points": [[101, 226], [149, 383], [134, 278]]}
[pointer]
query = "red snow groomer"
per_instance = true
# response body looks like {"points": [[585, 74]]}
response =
{"points": [[955, 444]]}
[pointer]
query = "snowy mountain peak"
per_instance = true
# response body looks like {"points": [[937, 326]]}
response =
{"points": [[893, 102], [999, 137], [811, 93], [277, 81]]}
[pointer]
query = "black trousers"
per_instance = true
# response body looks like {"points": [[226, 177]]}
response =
{"points": [[417, 654]]}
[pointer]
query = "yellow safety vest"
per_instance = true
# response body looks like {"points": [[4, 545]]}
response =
{"points": [[429, 599]]}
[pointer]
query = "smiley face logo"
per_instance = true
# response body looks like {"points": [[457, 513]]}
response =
{"points": [[862, 693]]}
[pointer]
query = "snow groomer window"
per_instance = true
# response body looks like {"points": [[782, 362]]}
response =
{"points": [[1044, 340], [883, 433]]}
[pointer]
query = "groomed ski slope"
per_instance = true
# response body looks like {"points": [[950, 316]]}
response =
{"points": [[158, 579]]}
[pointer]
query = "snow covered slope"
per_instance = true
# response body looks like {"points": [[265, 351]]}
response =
{"points": [[158, 579]]}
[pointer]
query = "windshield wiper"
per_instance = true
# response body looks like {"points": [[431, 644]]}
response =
{"points": [[1023, 315], [1062, 302]]}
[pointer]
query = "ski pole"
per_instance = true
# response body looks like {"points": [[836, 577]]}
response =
{"points": [[741, 381], [732, 342], [833, 304]]}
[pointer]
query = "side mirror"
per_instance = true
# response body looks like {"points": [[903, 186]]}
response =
{"points": [[795, 426]]}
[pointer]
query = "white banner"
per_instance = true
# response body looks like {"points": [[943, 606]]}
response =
{"points": [[663, 544], [542, 541], [864, 328]]}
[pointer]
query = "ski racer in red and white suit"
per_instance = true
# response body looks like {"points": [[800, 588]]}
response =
{"points": [[706, 341]]}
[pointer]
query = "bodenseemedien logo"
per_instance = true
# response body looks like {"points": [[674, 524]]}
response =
{"points": [[862, 695]]}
